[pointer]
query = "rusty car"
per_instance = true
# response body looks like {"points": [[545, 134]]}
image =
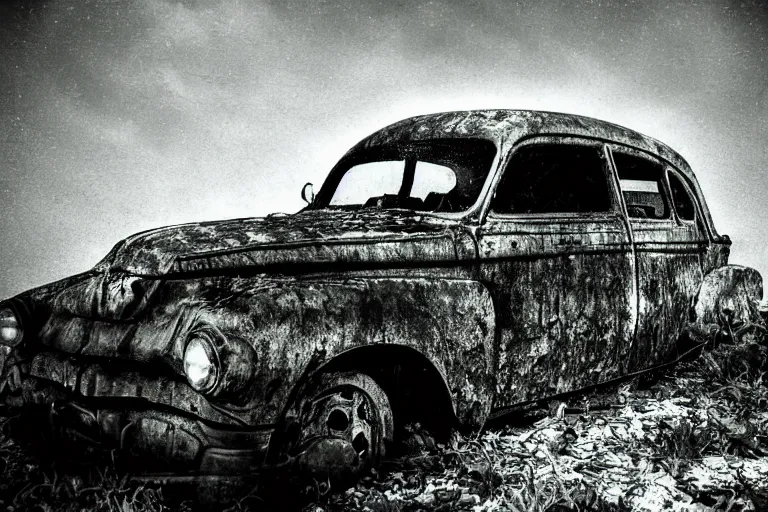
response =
{"points": [[451, 267]]}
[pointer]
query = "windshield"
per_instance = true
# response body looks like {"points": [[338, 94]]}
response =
{"points": [[442, 175]]}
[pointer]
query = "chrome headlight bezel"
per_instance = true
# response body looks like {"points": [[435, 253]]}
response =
{"points": [[10, 320], [201, 362]]}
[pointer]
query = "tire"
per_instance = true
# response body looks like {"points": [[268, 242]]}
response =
{"points": [[337, 429]]}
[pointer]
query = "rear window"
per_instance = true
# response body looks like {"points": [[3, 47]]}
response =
{"points": [[682, 199], [641, 185], [553, 178]]}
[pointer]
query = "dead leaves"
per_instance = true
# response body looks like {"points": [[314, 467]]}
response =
{"points": [[688, 444]]}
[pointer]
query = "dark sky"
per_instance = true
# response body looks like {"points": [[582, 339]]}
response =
{"points": [[118, 116]]}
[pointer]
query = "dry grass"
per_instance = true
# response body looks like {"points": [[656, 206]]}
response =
{"points": [[28, 486], [657, 447], [695, 440]]}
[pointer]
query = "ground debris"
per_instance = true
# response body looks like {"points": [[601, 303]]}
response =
{"points": [[694, 441]]}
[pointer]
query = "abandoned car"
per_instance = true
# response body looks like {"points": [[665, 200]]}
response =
{"points": [[450, 267]]}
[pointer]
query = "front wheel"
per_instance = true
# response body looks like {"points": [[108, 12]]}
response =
{"points": [[337, 428]]}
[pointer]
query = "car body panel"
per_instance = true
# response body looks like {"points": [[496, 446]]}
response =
{"points": [[670, 258], [564, 293], [168, 250], [288, 324], [563, 284]]}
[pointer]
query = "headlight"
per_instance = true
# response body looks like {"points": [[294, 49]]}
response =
{"points": [[10, 328], [201, 363]]}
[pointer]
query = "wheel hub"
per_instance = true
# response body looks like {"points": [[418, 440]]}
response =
{"points": [[339, 426], [344, 414]]}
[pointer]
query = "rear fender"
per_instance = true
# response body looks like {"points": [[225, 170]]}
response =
{"points": [[730, 292]]}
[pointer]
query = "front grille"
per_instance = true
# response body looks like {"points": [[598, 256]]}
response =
{"points": [[110, 379]]}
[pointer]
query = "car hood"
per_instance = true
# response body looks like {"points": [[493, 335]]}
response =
{"points": [[308, 237]]}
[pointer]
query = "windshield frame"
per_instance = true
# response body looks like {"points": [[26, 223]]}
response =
{"points": [[359, 155]]}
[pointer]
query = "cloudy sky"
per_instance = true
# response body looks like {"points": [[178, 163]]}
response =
{"points": [[119, 116]]}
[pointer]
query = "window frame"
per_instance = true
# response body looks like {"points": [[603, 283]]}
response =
{"points": [[665, 190], [351, 158], [614, 210], [689, 190]]}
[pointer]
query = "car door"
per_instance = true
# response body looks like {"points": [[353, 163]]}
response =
{"points": [[670, 242], [554, 249]]}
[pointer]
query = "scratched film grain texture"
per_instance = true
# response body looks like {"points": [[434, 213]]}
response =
{"points": [[122, 116]]}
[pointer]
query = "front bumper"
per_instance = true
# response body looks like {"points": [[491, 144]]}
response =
{"points": [[154, 423]]}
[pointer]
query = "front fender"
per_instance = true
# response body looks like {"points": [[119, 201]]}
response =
{"points": [[301, 326], [294, 327]]}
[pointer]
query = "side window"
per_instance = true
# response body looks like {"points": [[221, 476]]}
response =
{"points": [[553, 178], [641, 184], [681, 199]]}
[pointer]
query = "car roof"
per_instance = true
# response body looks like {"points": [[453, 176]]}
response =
{"points": [[505, 127], [508, 126]]}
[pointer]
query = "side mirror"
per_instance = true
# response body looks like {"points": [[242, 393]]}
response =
{"points": [[308, 193]]}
